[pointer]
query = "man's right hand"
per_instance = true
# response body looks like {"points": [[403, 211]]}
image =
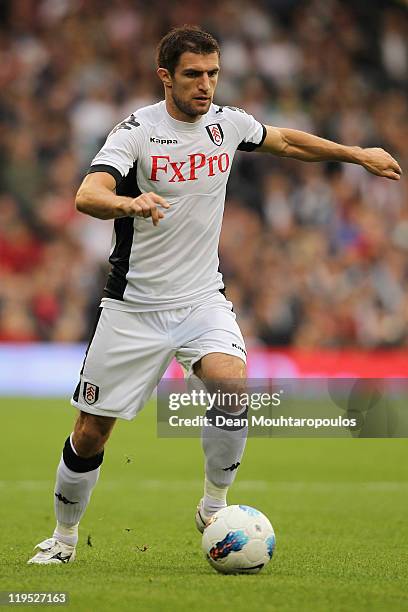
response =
{"points": [[145, 205], [96, 197]]}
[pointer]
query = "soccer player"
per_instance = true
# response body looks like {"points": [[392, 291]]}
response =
{"points": [[162, 175]]}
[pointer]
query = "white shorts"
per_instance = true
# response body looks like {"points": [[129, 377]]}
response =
{"points": [[130, 351]]}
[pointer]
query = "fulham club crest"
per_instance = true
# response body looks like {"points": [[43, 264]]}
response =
{"points": [[91, 393], [215, 133]]}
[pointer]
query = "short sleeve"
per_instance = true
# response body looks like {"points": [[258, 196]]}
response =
{"points": [[251, 132], [120, 151]]}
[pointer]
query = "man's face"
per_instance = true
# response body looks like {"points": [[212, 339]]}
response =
{"points": [[193, 83]]}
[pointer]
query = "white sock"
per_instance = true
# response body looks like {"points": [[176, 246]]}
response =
{"points": [[73, 491], [215, 498], [66, 533], [71, 497], [223, 451]]}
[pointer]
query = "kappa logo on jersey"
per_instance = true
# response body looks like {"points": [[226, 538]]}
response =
{"points": [[128, 124], [91, 393], [215, 133], [187, 170], [163, 140], [236, 108]]}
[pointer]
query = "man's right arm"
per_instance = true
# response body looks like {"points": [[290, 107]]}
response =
{"points": [[96, 197]]}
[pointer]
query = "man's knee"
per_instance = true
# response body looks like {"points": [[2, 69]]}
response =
{"points": [[91, 433], [225, 376], [220, 366]]}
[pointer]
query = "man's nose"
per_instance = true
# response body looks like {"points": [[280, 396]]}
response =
{"points": [[204, 82]]}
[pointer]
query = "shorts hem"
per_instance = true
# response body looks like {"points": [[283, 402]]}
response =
{"points": [[101, 411]]}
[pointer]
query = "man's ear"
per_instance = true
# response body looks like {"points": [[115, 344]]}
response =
{"points": [[164, 76]]}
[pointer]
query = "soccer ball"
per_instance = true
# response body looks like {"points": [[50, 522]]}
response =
{"points": [[238, 540]]}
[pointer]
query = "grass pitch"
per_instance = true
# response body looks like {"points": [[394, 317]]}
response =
{"points": [[338, 507]]}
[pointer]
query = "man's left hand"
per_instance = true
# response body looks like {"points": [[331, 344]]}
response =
{"points": [[379, 162]]}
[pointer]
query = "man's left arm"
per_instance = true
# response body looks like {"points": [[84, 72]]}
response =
{"points": [[286, 142]]}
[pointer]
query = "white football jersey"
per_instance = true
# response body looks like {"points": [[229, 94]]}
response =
{"points": [[174, 264]]}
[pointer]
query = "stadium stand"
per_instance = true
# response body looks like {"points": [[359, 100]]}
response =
{"points": [[313, 255]]}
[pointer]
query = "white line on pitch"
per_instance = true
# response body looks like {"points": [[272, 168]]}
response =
{"points": [[243, 485]]}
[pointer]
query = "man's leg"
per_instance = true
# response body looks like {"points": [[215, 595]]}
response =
{"points": [[223, 446], [123, 343], [77, 474]]}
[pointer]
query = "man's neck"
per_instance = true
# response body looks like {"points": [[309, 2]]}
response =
{"points": [[176, 113]]}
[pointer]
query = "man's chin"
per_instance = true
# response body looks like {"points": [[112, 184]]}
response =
{"points": [[203, 107], [203, 112], [194, 109], [196, 112]]}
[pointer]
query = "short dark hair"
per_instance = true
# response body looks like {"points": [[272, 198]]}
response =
{"points": [[179, 40]]}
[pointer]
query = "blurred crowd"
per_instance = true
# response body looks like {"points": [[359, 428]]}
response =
{"points": [[313, 255]]}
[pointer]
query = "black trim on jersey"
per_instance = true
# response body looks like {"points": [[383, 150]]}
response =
{"points": [[251, 146], [109, 169], [75, 396], [222, 290], [119, 259]]}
